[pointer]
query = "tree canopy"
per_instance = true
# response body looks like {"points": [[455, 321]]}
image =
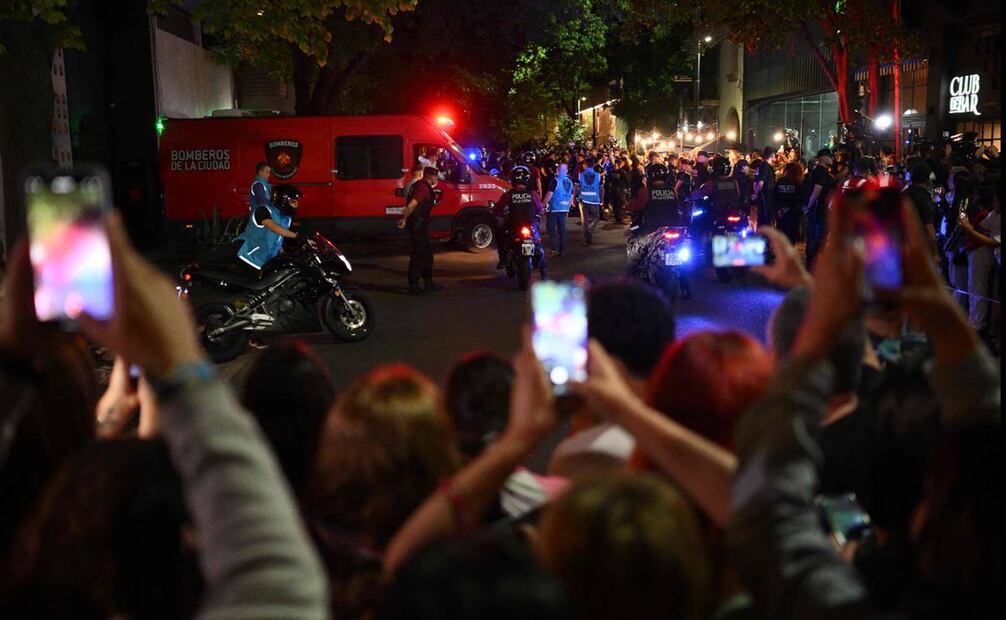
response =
{"points": [[51, 12]]}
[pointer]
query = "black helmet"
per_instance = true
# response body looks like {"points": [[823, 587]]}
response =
{"points": [[656, 172], [285, 198], [520, 175], [527, 158], [720, 166]]}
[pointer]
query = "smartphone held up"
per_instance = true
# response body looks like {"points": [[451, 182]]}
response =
{"points": [[739, 250], [877, 226], [70, 255], [559, 330]]}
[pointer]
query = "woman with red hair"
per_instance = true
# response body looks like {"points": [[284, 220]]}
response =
{"points": [[706, 380], [684, 429]]}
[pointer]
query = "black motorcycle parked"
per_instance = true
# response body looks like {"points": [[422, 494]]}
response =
{"points": [[524, 254], [299, 291]]}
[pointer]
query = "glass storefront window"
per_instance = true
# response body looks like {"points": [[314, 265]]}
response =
{"points": [[815, 117], [989, 132]]}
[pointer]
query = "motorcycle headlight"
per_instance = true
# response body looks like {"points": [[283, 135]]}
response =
{"points": [[349, 268]]}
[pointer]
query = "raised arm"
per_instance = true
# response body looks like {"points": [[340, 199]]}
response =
{"points": [[704, 470], [253, 550], [460, 504]]}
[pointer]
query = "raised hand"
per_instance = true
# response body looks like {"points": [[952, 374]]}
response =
{"points": [[788, 270], [532, 405], [150, 326], [837, 295]]}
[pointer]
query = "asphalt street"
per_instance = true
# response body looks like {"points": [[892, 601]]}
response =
{"points": [[481, 308]]}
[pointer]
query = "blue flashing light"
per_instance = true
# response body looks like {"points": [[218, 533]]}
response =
{"points": [[697, 212], [685, 254]]}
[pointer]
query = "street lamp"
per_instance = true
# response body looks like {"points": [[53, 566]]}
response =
{"points": [[731, 135], [710, 136], [708, 39], [777, 136]]}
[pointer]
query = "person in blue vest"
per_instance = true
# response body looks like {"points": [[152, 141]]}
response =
{"points": [[270, 215], [591, 190], [557, 202]]}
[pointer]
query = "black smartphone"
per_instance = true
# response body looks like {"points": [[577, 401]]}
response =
{"points": [[842, 515], [559, 328], [70, 256], [739, 250], [877, 224]]}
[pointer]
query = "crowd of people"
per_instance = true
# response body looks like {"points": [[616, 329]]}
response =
{"points": [[955, 187], [847, 470]]}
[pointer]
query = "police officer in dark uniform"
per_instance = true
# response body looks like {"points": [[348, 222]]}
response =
{"points": [[720, 189], [417, 216], [519, 206], [658, 206]]}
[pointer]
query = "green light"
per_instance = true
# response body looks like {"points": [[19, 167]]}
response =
{"points": [[159, 125]]}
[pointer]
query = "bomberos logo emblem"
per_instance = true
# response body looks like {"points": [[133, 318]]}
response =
{"points": [[284, 157]]}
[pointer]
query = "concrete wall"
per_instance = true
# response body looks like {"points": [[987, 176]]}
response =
{"points": [[190, 84], [731, 88]]}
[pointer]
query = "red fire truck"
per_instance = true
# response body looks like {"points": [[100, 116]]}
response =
{"points": [[351, 169]]}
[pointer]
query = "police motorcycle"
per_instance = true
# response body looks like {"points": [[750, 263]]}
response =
{"points": [[659, 247], [716, 210], [524, 251], [301, 290]]}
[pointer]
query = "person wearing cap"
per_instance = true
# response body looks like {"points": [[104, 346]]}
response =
{"points": [[816, 210], [416, 217], [920, 193]]}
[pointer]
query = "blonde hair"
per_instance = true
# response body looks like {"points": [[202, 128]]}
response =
{"points": [[627, 545], [385, 446]]}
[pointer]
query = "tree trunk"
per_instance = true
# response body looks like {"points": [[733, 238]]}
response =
{"points": [[331, 83], [896, 14], [874, 85], [841, 56], [839, 76], [303, 74]]}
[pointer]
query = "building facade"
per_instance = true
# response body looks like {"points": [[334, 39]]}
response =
{"points": [[950, 84]]}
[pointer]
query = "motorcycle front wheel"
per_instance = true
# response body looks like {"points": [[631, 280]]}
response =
{"points": [[226, 346], [350, 320]]}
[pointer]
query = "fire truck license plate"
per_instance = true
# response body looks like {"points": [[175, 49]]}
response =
{"points": [[527, 248]]}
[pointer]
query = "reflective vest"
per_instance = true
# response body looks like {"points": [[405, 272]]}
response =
{"points": [[562, 196], [252, 205], [590, 187], [261, 244]]}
